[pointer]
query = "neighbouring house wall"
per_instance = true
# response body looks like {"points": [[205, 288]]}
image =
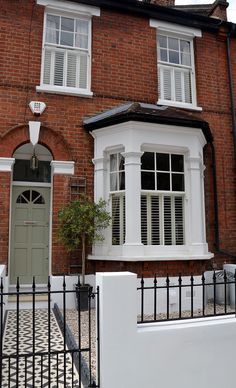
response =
{"points": [[192, 353], [124, 68]]}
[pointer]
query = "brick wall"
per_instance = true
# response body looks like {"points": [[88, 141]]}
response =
{"points": [[123, 69]]}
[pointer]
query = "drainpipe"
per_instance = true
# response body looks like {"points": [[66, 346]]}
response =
{"points": [[232, 103], [231, 87]]}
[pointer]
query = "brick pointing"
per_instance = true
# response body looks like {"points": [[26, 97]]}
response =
{"points": [[123, 69]]}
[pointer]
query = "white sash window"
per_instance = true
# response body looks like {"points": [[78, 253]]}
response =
{"points": [[162, 199], [66, 53]]}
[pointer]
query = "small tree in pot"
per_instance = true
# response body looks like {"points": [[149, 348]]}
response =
{"points": [[81, 222]]}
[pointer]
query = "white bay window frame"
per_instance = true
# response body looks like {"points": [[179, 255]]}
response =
{"points": [[77, 12], [161, 138]]}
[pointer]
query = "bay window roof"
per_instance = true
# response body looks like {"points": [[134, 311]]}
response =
{"points": [[135, 111]]}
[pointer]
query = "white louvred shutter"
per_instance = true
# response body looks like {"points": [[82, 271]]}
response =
{"points": [[47, 67], [71, 69], [179, 221], [59, 68], [123, 219], [155, 220], [165, 83], [178, 85], [83, 71], [115, 220], [144, 221], [167, 221], [187, 87]]}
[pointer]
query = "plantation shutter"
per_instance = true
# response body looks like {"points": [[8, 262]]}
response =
{"points": [[155, 220], [144, 221], [59, 68], [167, 221], [179, 221], [187, 87], [71, 69], [178, 85], [165, 83], [118, 219], [47, 67]]}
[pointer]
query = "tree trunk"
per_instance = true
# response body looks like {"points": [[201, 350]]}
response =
{"points": [[83, 259]]}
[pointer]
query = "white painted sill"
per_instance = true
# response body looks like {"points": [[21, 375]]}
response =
{"points": [[179, 105], [64, 90]]}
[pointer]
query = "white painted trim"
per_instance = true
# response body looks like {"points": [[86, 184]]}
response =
{"points": [[172, 257], [179, 105], [175, 28], [64, 90], [70, 7], [29, 184], [63, 167], [6, 164]]}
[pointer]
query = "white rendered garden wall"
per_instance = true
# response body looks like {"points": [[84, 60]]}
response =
{"points": [[194, 353]]}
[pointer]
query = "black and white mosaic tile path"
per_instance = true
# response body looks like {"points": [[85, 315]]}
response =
{"points": [[60, 365]]}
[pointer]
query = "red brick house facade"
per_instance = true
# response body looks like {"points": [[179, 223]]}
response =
{"points": [[84, 58]]}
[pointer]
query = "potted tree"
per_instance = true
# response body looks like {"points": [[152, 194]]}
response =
{"points": [[81, 222]]}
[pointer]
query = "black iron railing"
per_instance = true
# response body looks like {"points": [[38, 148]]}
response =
{"points": [[186, 298], [45, 341]]}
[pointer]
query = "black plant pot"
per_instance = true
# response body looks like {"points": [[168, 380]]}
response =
{"points": [[82, 296]]}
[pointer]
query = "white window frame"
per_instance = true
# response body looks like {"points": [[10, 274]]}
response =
{"points": [[76, 11], [161, 194], [179, 32]]}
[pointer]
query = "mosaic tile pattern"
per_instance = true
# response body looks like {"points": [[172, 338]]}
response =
{"points": [[41, 362]]}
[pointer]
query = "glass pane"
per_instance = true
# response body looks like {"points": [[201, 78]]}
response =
{"points": [[185, 59], [173, 44], [148, 180], [147, 161], [22, 172], [113, 162], [113, 181], [37, 197], [67, 24], [173, 56], [163, 162], [81, 41], [53, 22], [52, 36], [121, 162], [163, 181], [163, 55], [82, 26], [177, 182], [177, 163], [121, 181], [67, 39], [185, 46], [162, 40], [21, 199]]}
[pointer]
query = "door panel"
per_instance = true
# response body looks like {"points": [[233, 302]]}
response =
{"points": [[30, 234]]}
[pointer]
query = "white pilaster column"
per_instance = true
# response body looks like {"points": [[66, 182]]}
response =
{"points": [[197, 208], [132, 203], [100, 169]]}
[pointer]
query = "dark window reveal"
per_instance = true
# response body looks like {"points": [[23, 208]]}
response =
{"points": [[22, 172]]}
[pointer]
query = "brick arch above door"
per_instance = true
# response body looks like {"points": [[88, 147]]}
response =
{"points": [[19, 135]]}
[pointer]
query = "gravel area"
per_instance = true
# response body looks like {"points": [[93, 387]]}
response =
{"points": [[72, 321]]}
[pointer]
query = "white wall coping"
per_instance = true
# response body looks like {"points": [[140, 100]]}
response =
{"points": [[6, 164], [70, 6], [63, 167]]}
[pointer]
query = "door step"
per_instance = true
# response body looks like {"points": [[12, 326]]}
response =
{"points": [[28, 298]]}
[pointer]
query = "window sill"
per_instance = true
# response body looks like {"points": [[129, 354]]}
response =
{"points": [[64, 90], [206, 256], [179, 105]]}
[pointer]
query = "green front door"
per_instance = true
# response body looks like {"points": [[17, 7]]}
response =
{"points": [[30, 234]]}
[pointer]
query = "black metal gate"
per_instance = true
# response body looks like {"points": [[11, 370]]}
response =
{"points": [[45, 340]]}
